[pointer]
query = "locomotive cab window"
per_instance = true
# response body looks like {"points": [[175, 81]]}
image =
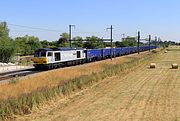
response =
{"points": [[36, 54], [78, 54], [43, 54], [57, 56], [50, 54]]}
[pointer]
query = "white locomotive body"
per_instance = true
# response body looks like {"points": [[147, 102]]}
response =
{"points": [[57, 57]]}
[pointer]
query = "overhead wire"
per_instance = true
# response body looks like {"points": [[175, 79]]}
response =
{"points": [[102, 33], [37, 28], [44, 29]]}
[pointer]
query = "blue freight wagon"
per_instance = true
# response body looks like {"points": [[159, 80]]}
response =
{"points": [[107, 52], [94, 54], [118, 51]]}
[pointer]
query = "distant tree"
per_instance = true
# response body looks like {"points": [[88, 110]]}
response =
{"points": [[129, 41], [27, 45], [93, 42], [44, 43], [77, 42], [7, 48], [118, 44], [167, 43], [34, 43], [63, 40], [4, 31], [53, 44]]}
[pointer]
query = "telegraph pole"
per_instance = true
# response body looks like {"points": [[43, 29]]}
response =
{"points": [[155, 40], [138, 40], [70, 34], [149, 42], [111, 34], [159, 39]]}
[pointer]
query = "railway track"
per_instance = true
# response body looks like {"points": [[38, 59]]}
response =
{"points": [[18, 73]]}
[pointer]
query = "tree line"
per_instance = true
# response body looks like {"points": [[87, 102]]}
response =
{"points": [[26, 45]]}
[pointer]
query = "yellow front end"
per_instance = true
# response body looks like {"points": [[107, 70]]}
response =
{"points": [[40, 60]]}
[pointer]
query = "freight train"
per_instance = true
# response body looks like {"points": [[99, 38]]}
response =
{"points": [[49, 58]]}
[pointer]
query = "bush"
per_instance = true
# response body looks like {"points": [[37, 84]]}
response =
{"points": [[6, 53]]}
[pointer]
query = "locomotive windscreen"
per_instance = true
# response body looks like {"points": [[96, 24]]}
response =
{"points": [[40, 54]]}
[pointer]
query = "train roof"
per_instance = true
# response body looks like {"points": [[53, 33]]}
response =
{"points": [[66, 48], [59, 49], [45, 49]]}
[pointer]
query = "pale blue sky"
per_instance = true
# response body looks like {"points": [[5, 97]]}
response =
{"points": [[92, 17]]}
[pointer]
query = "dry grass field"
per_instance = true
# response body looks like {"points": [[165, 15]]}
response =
{"points": [[55, 77], [22, 95], [143, 95]]}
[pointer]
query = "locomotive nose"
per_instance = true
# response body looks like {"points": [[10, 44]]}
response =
{"points": [[40, 60]]}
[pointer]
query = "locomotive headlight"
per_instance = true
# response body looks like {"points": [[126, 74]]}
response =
{"points": [[44, 60]]}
